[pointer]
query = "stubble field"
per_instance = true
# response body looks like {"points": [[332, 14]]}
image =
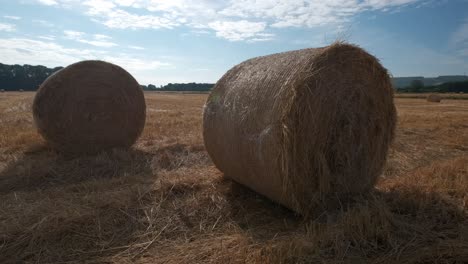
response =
{"points": [[163, 201]]}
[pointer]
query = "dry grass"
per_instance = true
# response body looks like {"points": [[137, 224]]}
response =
{"points": [[164, 202]]}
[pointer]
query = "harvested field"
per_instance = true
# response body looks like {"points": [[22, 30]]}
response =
{"points": [[163, 201]]}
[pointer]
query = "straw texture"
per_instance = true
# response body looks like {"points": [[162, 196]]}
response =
{"points": [[304, 125], [88, 107]]}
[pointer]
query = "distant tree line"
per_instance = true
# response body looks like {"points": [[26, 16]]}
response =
{"points": [[417, 86], [184, 87], [29, 78], [404, 82], [23, 77]]}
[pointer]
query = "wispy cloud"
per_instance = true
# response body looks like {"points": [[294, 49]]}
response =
{"points": [[136, 47], [20, 50], [97, 40], [238, 30], [48, 2], [234, 20], [51, 38], [12, 17], [7, 27], [51, 54]]}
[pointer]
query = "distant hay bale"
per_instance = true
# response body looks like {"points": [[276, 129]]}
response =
{"points": [[2, 90], [88, 107], [303, 125], [21, 90], [434, 98]]}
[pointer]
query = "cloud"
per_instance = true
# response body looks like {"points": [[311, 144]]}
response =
{"points": [[12, 17], [97, 40], [121, 19], [234, 20], [238, 30], [48, 2], [101, 37], [7, 27], [47, 37], [261, 37], [20, 50], [136, 47], [75, 35], [50, 54], [306, 13]]}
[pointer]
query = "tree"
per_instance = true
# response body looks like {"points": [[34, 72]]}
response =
{"points": [[26, 77]]}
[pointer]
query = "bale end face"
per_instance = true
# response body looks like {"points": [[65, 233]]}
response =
{"points": [[88, 107]]}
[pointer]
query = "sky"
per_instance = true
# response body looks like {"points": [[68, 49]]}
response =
{"points": [[178, 41]]}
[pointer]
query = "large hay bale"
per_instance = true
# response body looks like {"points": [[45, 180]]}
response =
{"points": [[88, 107], [303, 125], [434, 98], [2, 90]]}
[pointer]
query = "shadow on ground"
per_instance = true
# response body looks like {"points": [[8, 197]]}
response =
{"points": [[41, 168], [57, 208], [403, 225]]}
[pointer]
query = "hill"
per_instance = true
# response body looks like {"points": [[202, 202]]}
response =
{"points": [[403, 82]]}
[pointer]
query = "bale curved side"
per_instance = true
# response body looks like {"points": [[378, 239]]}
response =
{"points": [[299, 126], [88, 107]]}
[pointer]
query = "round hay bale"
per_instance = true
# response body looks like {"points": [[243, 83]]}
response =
{"points": [[434, 98], [303, 125], [21, 90], [90, 106], [2, 90]]}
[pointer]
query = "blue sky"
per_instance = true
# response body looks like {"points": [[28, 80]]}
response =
{"points": [[162, 41]]}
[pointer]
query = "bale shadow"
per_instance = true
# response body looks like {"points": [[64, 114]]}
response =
{"points": [[399, 225], [178, 155], [56, 208], [255, 213], [41, 168]]}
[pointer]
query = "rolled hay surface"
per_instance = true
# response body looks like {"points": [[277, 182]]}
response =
{"points": [[304, 125], [434, 98], [90, 106]]}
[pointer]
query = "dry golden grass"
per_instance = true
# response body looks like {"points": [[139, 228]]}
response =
{"points": [[165, 202]]}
